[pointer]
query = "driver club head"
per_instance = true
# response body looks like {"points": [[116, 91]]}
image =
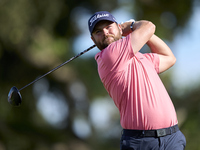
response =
{"points": [[14, 97]]}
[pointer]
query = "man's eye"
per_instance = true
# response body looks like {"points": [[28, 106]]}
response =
{"points": [[109, 26], [97, 31]]}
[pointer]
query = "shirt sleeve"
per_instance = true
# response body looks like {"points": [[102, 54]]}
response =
{"points": [[154, 58]]}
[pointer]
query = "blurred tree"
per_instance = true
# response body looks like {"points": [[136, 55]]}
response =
{"points": [[168, 15], [188, 104], [35, 36]]}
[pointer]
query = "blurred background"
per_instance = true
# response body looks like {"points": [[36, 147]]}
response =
{"points": [[70, 109]]}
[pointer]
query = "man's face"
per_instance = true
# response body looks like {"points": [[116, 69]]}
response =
{"points": [[106, 32]]}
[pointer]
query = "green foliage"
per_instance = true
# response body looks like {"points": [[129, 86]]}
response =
{"points": [[37, 35]]}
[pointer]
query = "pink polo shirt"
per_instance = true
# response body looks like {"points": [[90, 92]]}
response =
{"points": [[133, 83]]}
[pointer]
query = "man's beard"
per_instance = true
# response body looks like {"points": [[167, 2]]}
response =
{"points": [[107, 40]]}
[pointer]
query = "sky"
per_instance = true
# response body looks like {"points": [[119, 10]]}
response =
{"points": [[186, 44]]}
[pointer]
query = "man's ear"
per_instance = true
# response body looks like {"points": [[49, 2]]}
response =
{"points": [[92, 38], [120, 28]]}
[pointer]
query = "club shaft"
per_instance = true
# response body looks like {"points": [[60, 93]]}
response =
{"points": [[81, 53]]}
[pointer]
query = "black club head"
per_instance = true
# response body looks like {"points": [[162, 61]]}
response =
{"points": [[14, 97]]}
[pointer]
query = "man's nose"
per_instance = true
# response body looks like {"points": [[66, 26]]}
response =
{"points": [[105, 31]]}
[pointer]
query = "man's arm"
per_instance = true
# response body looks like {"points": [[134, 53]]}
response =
{"points": [[167, 58], [142, 32]]}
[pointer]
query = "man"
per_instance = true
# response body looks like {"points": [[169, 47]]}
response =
{"points": [[131, 78]]}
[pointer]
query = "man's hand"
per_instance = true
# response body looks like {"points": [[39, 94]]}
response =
{"points": [[126, 27]]}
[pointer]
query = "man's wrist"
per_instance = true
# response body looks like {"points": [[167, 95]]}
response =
{"points": [[133, 21], [127, 27]]}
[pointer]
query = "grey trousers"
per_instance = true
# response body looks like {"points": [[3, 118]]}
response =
{"points": [[175, 141]]}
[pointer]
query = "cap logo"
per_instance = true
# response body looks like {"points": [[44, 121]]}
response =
{"points": [[93, 19]]}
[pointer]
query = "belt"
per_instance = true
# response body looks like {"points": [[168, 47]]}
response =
{"points": [[151, 133]]}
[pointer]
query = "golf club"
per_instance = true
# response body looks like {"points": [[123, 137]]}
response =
{"points": [[14, 96]]}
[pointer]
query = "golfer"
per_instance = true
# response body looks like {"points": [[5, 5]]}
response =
{"points": [[147, 114]]}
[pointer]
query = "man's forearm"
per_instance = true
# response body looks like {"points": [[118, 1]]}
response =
{"points": [[167, 58], [142, 32], [158, 46]]}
